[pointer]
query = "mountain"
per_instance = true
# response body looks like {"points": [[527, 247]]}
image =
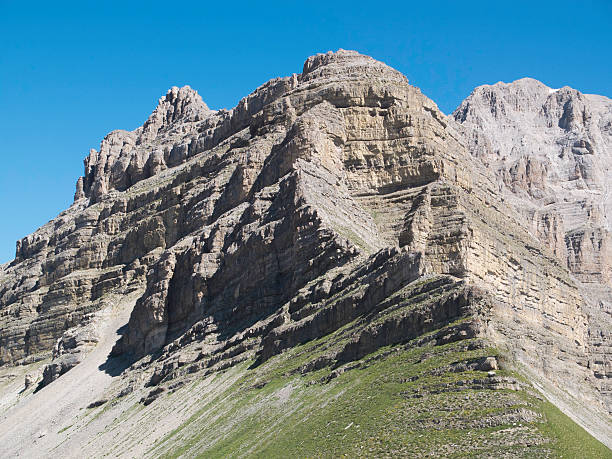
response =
{"points": [[551, 151], [331, 267]]}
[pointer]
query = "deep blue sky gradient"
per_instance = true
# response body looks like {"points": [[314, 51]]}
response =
{"points": [[70, 72]]}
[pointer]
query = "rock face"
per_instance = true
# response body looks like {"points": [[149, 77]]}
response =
{"points": [[339, 197], [72, 346], [551, 150], [126, 157]]}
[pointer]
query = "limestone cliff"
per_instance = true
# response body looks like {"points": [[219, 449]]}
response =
{"points": [[551, 150], [335, 202]]}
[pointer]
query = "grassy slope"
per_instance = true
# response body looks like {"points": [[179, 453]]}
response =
{"points": [[399, 401]]}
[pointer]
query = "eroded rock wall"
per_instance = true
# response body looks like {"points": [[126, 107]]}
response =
{"points": [[551, 150], [314, 202]]}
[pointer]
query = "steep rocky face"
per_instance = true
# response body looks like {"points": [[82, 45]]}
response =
{"points": [[361, 161], [340, 200], [551, 150], [126, 157]]}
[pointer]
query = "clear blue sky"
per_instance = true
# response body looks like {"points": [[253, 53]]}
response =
{"points": [[70, 72]]}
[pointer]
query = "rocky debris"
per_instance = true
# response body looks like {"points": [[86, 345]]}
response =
{"points": [[72, 346], [31, 379], [97, 403], [488, 363], [511, 417], [152, 395], [8, 377], [338, 196]]}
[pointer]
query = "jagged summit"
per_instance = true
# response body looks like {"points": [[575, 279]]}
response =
{"points": [[530, 95], [342, 56], [125, 158], [552, 153], [525, 83], [567, 130], [519, 84], [331, 220], [179, 104]]}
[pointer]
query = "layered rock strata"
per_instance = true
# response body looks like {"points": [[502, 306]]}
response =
{"points": [[314, 202], [551, 150]]}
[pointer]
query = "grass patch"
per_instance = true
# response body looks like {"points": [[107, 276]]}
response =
{"points": [[64, 429], [390, 406], [571, 440], [406, 400]]}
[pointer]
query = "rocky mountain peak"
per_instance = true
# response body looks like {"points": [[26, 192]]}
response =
{"points": [[178, 105], [563, 107], [338, 57], [551, 150], [502, 98], [182, 124], [344, 64], [331, 220], [126, 157], [532, 114]]}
